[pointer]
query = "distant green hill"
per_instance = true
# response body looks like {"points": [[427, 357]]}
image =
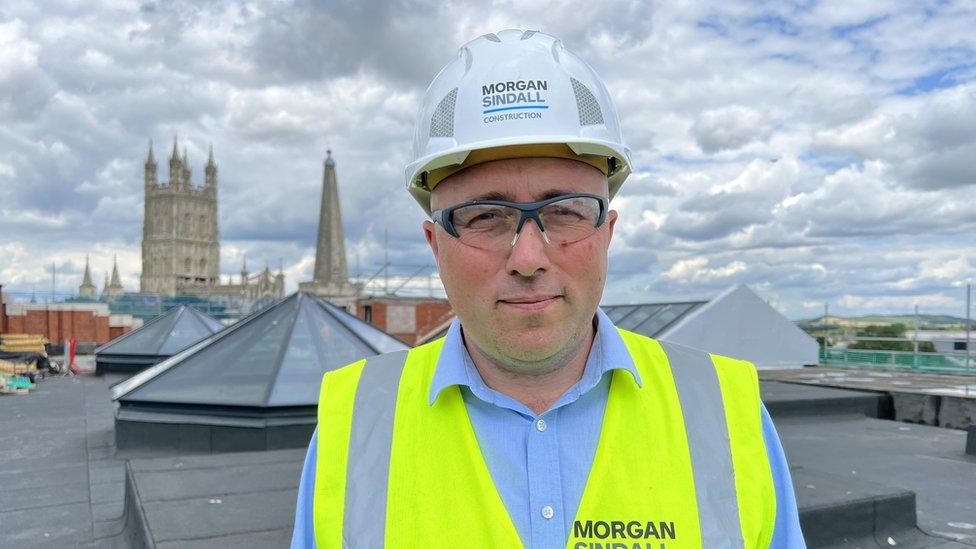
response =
{"points": [[930, 322]]}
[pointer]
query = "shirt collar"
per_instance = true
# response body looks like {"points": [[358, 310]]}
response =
{"points": [[607, 353]]}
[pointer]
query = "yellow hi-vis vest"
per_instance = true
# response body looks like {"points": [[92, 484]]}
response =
{"points": [[680, 462]]}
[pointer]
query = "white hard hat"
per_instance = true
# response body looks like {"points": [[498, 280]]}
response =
{"points": [[514, 94]]}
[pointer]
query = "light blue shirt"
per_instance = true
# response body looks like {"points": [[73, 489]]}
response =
{"points": [[541, 461]]}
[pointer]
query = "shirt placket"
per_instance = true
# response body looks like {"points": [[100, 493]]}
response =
{"points": [[546, 511]]}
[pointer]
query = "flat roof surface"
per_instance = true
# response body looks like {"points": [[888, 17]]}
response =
{"points": [[856, 451], [878, 380], [61, 484], [64, 487], [226, 500]]}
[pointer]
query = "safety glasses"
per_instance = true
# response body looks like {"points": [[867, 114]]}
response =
{"points": [[496, 224]]}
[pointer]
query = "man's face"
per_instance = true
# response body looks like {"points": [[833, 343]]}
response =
{"points": [[527, 307]]}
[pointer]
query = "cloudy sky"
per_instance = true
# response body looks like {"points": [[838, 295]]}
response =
{"points": [[816, 151]]}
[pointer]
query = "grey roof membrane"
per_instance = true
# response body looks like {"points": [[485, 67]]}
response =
{"points": [[650, 319], [847, 471], [852, 476], [273, 358], [165, 335]]}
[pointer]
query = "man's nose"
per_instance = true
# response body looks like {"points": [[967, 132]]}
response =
{"points": [[529, 252]]}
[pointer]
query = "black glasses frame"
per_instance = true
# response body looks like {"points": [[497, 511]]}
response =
{"points": [[530, 210]]}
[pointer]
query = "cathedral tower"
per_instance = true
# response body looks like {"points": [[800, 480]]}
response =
{"points": [[180, 238]]}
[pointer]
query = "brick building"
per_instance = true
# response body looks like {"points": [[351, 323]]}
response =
{"points": [[405, 318], [87, 323]]}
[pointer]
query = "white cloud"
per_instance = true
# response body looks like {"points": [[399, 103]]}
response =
{"points": [[898, 302], [729, 128], [7, 170], [928, 139], [696, 270], [861, 201]]}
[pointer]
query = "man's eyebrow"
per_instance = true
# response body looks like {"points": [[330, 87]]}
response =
{"points": [[496, 195], [553, 193], [492, 195]]}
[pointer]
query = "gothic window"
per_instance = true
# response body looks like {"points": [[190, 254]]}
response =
{"points": [[203, 226], [203, 265], [188, 264]]}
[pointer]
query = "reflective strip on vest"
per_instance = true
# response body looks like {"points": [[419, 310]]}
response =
{"points": [[708, 440], [369, 443]]}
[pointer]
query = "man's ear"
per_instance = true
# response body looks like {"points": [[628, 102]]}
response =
{"points": [[611, 222], [429, 228]]}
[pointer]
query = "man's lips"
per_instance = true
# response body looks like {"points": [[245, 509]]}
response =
{"points": [[530, 302]]}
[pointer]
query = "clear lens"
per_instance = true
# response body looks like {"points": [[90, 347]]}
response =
{"points": [[492, 227], [485, 219]]}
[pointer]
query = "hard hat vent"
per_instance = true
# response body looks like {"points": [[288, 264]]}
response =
{"points": [[442, 123], [589, 110]]}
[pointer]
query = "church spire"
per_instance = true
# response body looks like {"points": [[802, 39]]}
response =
{"points": [[150, 167], [210, 171], [116, 282], [87, 276], [86, 288], [330, 279], [330, 247], [113, 287], [176, 170]]}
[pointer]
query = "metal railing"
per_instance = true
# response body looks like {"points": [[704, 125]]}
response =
{"points": [[938, 363]]}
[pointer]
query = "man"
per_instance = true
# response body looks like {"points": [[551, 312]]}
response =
{"points": [[535, 422]]}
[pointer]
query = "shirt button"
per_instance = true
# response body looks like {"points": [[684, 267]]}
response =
{"points": [[541, 425], [547, 512]]}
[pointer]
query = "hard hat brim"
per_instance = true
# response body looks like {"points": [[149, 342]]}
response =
{"points": [[426, 173]]}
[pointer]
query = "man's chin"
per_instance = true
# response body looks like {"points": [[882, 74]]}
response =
{"points": [[530, 343], [536, 327]]}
